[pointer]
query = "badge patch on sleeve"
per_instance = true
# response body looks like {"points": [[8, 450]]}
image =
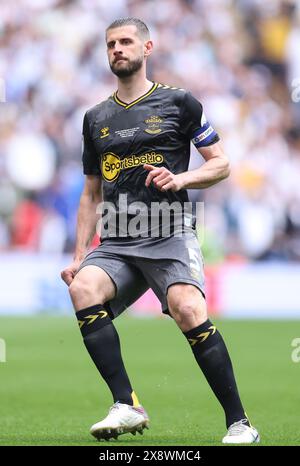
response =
{"points": [[204, 136]]}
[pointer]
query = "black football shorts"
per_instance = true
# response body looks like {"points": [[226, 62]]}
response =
{"points": [[139, 264]]}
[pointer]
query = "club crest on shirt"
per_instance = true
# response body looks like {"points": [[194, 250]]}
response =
{"points": [[153, 124], [104, 132]]}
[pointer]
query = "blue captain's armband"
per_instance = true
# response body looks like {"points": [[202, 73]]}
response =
{"points": [[204, 136]]}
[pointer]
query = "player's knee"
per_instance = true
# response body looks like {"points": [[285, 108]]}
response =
{"points": [[83, 294], [77, 288], [188, 317], [187, 309]]}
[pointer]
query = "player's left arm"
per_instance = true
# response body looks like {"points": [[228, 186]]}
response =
{"points": [[215, 169], [195, 127]]}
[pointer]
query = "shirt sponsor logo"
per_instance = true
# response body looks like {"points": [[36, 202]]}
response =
{"points": [[111, 164], [153, 124]]}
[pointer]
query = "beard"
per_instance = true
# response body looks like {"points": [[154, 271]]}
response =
{"points": [[131, 67]]}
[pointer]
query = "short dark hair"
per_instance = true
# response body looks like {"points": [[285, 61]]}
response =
{"points": [[141, 27]]}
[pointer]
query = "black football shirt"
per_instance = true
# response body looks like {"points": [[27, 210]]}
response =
{"points": [[119, 138]]}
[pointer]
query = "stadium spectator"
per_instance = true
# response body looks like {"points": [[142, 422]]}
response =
{"points": [[238, 57]]}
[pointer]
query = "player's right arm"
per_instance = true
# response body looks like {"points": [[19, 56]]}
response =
{"points": [[91, 196], [87, 219]]}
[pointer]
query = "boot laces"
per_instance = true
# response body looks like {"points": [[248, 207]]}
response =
{"points": [[237, 427]]}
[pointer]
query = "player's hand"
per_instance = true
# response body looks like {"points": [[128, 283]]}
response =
{"points": [[163, 179], [69, 272]]}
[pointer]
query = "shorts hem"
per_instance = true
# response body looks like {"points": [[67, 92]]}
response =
{"points": [[188, 282], [107, 303], [109, 273]]}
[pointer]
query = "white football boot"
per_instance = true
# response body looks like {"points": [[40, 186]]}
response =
{"points": [[121, 419], [239, 432]]}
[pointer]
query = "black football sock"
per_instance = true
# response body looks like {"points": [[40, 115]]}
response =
{"points": [[102, 342], [212, 357]]}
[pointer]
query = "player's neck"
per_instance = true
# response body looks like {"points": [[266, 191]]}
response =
{"points": [[133, 87]]}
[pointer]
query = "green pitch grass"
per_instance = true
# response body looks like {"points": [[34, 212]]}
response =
{"points": [[50, 391]]}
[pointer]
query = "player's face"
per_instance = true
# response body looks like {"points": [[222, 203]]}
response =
{"points": [[125, 50]]}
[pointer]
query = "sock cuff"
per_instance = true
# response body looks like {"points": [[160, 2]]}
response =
{"points": [[204, 335], [200, 328], [92, 318]]}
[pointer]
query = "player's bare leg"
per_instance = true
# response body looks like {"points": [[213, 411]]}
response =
{"points": [[91, 285], [90, 290], [188, 308]]}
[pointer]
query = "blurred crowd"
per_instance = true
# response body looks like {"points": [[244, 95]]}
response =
{"points": [[240, 58]]}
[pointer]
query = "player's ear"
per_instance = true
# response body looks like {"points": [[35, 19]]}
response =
{"points": [[148, 47]]}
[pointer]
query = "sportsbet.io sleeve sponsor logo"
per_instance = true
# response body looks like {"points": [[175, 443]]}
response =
{"points": [[111, 164], [204, 136]]}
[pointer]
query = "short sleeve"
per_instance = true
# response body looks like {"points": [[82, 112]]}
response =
{"points": [[89, 155], [193, 123]]}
